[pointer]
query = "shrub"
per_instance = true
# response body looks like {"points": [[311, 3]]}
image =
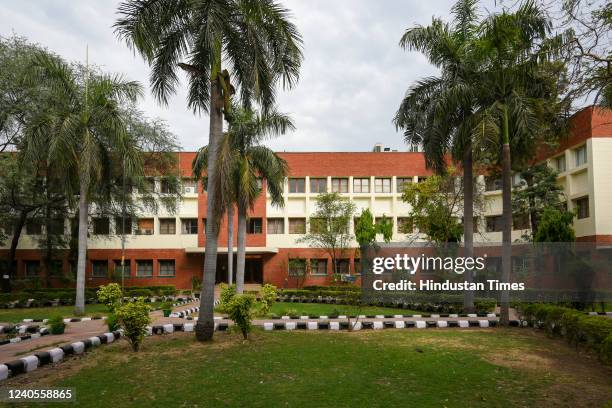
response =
{"points": [[134, 317], [239, 309], [110, 295], [166, 307], [56, 324], [268, 297], [112, 322], [227, 293]]}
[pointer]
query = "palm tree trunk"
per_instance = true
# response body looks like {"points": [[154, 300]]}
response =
{"points": [[230, 244], [79, 304], [507, 219], [468, 222], [12, 272], [205, 326], [242, 217]]}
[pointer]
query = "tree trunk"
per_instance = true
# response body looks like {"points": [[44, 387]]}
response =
{"points": [[205, 326], [17, 228], [468, 222], [79, 304], [507, 220], [230, 244], [532, 210], [240, 260]]}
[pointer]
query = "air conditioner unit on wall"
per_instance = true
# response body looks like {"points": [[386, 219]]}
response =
{"points": [[190, 190]]}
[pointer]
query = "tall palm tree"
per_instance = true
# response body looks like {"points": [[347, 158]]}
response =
{"points": [[254, 40], [84, 134], [243, 161], [437, 112]]}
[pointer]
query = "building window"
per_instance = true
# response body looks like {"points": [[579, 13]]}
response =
{"points": [[33, 227], [32, 269], [560, 163], [254, 226], [276, 226], [357, 266], [494, 223], [521, 222], [421, 179], [493, 183], [318, 266], [339, 185], [101, 226], [402, 183], [150, 184], [127, 272], [318, 185], [167, 187], [297, 267], [56, 226], [297, 225], [361, 185], [56, 267], [317, 225], [119, 223], [405, 225], [382, 185], [342, 266], [297, 185], [580, 155], [190, 186], [189, 226], [99, 269], [4, 268], [144, 268], [582, 207], [167, 226], [145, 226], [167, 268]]}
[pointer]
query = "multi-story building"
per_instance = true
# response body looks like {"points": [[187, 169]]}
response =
{"points": [[167, 248]]}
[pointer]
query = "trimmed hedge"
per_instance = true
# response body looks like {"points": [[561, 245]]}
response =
{"points": [[593, 332]]}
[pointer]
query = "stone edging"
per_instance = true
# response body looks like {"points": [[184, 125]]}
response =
{"points": [[25, 333]]}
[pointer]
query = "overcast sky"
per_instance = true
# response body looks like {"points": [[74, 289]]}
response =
{"points": [[352, 79]]}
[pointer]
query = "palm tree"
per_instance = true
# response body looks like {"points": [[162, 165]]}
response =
{"points": [[253, 39], [83, 134], [437, 112], [244, 162]]}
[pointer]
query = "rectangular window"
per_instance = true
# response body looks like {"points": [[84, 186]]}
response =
{"points": [[276, 226], [33, 227], [382, 185], [342, 266], [421, 179], [190, 186], [254, 226], [144, 268], [297, 225], [580, 155], [99, 269], [318, 266], [167, 268], [167, 187], [357, 266], [317, 225], [150, 184], [493, 183], [4, 268], [405, 225], [318, 185], [521, 222], [339, 185], [128, 267], [145, 226], [167, 226], [361, 185], [189, 226], [402, 182], [297, 267], [32, 269], [560, 163], [56, 226], [119, 226], [582, 207], [297, 185], [56, 267], [101, 226], [495, 223]]}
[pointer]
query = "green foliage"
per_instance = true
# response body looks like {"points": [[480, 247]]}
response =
{"points": [[56, 324], [112, 322], [365, 230], [133, 318], [555, 226], [110, 295], [240, 310], [268, 297], [226, 294]]}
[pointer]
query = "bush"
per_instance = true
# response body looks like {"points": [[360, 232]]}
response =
{"points": [[56, 324], [268, 297], [239, 309], [227, 293], [166, 307], [134, 317], [110, 295], [112, 322]]}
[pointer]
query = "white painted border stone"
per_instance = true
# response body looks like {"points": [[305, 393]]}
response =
{"points": [[464, 323], [30, 363], [442, 323], [78, 347], [57, 354], [268, 326], [420, 324]]}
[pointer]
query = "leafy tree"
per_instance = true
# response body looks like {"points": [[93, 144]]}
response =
{"points": [[110, 295], [555, 226], [329, 226], [257, 44], [133, 317], [240, 310]]}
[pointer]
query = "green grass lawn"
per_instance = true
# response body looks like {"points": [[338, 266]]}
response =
{"points": [[403, 368], [285, 309]]}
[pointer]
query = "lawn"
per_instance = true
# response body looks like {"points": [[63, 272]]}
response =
{"points": [[428, 368], [318, 309]]}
